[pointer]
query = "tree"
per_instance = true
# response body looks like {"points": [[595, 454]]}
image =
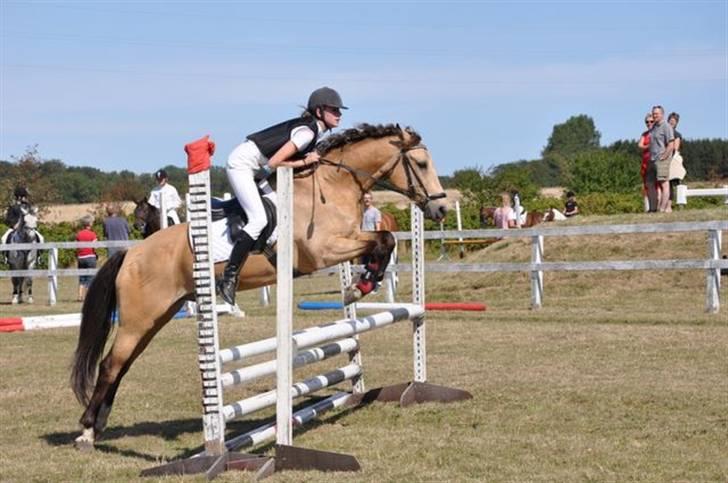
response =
{"points": [[577, 134], [604, 171], [473, 184]]}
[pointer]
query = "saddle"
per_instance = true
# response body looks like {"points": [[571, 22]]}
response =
{"points": [[237, 219]]}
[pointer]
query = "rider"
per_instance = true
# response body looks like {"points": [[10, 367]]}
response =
{"points": [[250, 164], [172, 200], [17, 210]]}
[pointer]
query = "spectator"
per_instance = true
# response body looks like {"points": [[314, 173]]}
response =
{"points": [[644, 145], [571, 208], [661, 147], [115, 228], [504, 217], [677, 170], [172, 200], [372, 217], [86, 256]]}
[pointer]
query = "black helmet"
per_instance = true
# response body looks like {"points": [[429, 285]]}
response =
{"points": [[21, 192], [324, 96], [160, 175]]}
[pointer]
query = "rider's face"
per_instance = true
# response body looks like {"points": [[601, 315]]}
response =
{"points": [[331, 116]]}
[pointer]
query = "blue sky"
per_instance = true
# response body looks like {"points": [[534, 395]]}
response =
{"points": [[124, 85]]}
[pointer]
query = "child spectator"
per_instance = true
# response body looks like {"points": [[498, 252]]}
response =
{"points": [[504, 217], [571, 208], [86, 256]]}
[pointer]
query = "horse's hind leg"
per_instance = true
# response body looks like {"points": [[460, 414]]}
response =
{"points": [[129, 343]]}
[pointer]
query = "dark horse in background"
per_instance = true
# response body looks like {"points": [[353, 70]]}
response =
{"points": [[26, 232], [146, 218]]}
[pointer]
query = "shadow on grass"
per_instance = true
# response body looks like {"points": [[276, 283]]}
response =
{"points": [[172, 429]]}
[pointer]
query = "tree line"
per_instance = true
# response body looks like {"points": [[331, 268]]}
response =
{"points": [[573, 157]]}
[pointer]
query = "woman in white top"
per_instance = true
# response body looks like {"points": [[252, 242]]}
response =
{"points": [[292, 142]]}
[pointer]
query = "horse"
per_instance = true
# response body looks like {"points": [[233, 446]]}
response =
{"points": [[146, 217], [148, 283], [26, 232]]}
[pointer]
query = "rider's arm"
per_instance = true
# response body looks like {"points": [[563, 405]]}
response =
{"points": [[286, 152]]}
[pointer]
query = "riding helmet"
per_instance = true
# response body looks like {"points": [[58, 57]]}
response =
{"points": [[21, 192], [160, 175], [324, 96]]}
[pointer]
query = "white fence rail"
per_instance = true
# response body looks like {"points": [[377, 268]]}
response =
{"points": [[683, 193], [712, 263]]}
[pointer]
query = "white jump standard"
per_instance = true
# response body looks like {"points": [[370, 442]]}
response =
{"points": [[292, 350]]}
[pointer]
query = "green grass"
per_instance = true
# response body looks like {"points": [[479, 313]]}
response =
{"points": [[620, 377]]}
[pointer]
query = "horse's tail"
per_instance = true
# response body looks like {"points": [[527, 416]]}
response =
{"points": [[96, 315]]}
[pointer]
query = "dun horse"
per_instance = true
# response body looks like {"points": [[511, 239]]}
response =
{"points": [[151, 281]]}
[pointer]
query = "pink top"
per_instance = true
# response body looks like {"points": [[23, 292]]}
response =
{"points": [[501, 216]]}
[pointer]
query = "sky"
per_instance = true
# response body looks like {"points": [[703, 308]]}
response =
{"points": [[124, 85]]}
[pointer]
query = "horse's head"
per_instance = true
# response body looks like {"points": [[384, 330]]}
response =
{"points": [[146, 217], [391, 157], [414, 173]]}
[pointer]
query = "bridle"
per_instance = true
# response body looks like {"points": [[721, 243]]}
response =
{"points": [[416, 189]]}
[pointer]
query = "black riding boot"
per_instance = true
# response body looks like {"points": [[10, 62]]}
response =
{"points": [[227, 286]]}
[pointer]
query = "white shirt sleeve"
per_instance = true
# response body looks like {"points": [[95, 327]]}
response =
{"points": [[171, 197], [154, 197], [302, 137]]}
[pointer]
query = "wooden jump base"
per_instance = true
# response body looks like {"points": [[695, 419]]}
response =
{"points": [[292, 350], [444, 306]]}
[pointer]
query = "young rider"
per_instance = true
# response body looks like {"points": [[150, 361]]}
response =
{"points": [[291, 142]]}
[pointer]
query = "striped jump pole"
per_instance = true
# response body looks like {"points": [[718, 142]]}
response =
{"points": [[216, 457]]}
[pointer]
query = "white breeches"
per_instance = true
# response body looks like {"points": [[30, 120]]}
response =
{"points": [[246, 191]]}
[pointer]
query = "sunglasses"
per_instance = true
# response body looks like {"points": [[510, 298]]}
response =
{"points": [[333, 110], [649, 122]]}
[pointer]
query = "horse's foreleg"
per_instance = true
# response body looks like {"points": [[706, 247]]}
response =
{"points": [[376, 247]]}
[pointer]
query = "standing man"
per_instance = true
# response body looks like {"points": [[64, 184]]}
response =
{"points": [[372, 218], [662, 141], [172, 200], [115, 228]]}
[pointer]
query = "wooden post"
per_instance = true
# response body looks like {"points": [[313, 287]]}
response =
{"points": [[284, 311], [52, 279], [712, 275], [345, 279], [536, 275], [418, 294]]}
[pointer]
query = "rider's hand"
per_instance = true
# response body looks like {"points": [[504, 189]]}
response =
{"points": [[312, 158]]}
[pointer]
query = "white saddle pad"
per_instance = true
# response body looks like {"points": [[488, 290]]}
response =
{"points": [[222, 245]]}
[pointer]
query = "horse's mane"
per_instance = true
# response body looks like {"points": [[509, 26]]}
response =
{"points": [[366, 131]]}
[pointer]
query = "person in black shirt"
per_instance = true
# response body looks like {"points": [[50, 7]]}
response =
{"points": [[570, 207]]}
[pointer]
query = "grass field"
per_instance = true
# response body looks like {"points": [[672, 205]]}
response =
{"points": [[620, 377]]}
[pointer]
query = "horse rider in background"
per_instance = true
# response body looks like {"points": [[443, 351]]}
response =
{"points": [[165, 190], [17, 211]]}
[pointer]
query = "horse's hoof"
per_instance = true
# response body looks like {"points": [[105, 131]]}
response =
{"points": [[351, 295], [15, 300], [85, 442], [30, 300]]}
